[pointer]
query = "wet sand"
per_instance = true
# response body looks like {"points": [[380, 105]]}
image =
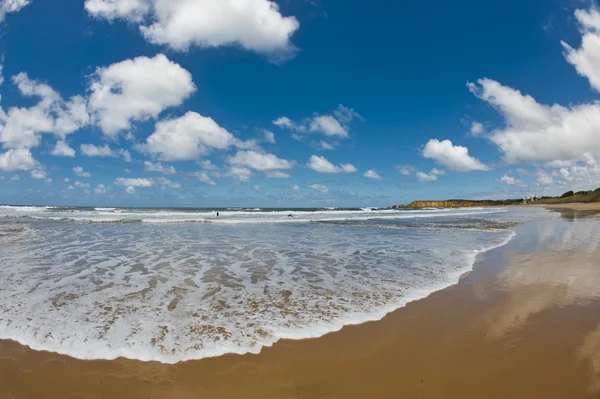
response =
{"points": [[524, 324]]}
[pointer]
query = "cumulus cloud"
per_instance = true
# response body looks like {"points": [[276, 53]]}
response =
{"points": [[543, 178], [559, 136], [100, 189], [23, 127], [372, 174], [187, 138], [203, 177], [453, 157], [277, 175], [159, 167], [326, 146], [431, 176], [477, 129], [405, 170], [295, 187], [15, 178], [131, 10], [17, 159], [78, 170], [239, 174], [62, 149], [335, 124], [263, 162], [10, 6], [90, 150], [269, 136], [81, 185], [137, 89], [132, 183], [319, 187], [511, 181], [322, 165], [255, 25], [38, 174], [585, 59]]}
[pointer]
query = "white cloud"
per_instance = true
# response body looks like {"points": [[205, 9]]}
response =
{"points": [[405, 170], [136, 89], [186, 138], [81, 185], [285, 122], [431, 176], [240, 174], [126, 156], [62, 149], [256, 188], [22, 127], [15, 178], [269, 136], [372, 174], [295, 187], [66, 180], [319, 187], [543, 178], [100, 189], [132, 183], [335, 124], [454, 157], [207, 165], [19, 159], [329, 125], [322, 165], [163, 181], [424, 177], [131, 10], [586, 59], [326, 146], [10, 6], [557, 135], [255, 25], [477, 129], [159, 167], [204, 177], [263, 162], [522, 172], [277, 175], [78, 170], [511, 181], [90, 150], [38, 174]]}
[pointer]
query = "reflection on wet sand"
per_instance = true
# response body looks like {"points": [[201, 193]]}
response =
{"points": [[563, 271]]}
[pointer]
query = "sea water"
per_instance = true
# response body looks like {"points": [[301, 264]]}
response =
{"points": [[171, 285]]}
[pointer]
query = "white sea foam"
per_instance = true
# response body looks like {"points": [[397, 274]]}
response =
{"points": [[169, 293]]}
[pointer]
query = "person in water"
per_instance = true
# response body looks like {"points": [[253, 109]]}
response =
{"points": [[217, 214], [290, 215]]}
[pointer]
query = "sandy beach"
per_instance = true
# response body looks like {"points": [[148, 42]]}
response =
{"points": [[523, 324]]}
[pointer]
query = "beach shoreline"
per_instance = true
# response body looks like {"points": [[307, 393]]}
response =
{"points": [[498, 333]]}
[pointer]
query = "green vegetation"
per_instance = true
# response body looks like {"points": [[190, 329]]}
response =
{"points": [[569, 197]]}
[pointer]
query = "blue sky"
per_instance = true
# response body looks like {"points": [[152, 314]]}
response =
{"points": [[296, 102]]}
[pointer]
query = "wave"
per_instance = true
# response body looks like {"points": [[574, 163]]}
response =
{"points": [[82, 348]]}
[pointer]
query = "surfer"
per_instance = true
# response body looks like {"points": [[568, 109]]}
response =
{"points": [[217, 214]]}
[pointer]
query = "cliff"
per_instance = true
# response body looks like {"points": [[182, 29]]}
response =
{"points": [[460, 203]]}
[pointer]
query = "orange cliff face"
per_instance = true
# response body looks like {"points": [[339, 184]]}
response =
{"points": [[448, 204]]}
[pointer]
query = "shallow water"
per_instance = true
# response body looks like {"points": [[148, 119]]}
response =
{"points": [[172, 285]]}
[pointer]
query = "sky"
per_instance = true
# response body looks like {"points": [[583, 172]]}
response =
{"points": [[303, 103]]}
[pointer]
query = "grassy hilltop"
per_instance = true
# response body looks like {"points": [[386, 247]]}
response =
{"points": [[569, 197]]}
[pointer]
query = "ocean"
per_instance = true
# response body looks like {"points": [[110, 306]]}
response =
{"points": [[171, 285]]}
